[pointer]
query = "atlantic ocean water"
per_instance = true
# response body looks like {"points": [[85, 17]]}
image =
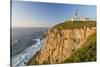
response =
{"points": [[25, 42]]}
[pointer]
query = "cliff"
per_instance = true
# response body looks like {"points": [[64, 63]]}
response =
{"points": [[62, 41]]}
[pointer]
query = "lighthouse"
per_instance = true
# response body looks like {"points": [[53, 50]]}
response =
{"points": [[75, 17]]}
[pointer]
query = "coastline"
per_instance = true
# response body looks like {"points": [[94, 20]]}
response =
{"points": [[24, 57]]}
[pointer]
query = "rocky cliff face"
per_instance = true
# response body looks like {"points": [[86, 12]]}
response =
{"points": [[60, 44]]}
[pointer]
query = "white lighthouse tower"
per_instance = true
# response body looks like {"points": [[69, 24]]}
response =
{"points": [[75, 17]]}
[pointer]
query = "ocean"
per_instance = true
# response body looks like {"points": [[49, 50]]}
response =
{"points": [[25, 42]]}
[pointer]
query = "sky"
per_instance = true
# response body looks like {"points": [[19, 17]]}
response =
{"points": [[39, 14]]}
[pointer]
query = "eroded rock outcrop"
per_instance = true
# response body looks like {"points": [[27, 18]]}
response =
{"points": [[60, 44]]}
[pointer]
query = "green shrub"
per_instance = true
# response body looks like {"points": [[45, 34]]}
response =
{"points": [[86, 53]]}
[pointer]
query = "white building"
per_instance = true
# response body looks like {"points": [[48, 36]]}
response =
{"points": [[77, 18]]}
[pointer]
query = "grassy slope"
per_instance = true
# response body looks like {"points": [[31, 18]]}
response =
{"points": [[86, 53], [75, 24]]}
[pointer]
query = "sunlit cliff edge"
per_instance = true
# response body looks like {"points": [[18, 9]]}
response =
{"points": [[64, 40]]}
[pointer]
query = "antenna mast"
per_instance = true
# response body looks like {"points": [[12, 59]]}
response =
{"points": [[76, 13]]}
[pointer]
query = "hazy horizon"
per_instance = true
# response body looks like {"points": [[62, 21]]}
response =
{"points": [[27, 14]]}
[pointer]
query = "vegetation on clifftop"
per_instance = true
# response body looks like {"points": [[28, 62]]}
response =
{"points": [[75, 24]]}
